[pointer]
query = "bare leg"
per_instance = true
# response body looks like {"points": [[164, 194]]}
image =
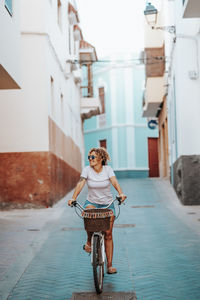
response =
{"points": [[109, 246], [89, 235]]}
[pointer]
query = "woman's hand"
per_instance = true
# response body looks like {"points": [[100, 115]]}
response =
{"points": [[123, 197], [71, 201]]}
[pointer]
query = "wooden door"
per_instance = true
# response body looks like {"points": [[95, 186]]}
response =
{"points": [[153, 157], [103, 143]]}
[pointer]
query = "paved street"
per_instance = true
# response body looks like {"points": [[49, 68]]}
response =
{"points": [[157, 249]]}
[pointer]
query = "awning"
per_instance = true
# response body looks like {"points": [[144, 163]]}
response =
{"points": [[78, 36], [73, 15], [87, 52]]}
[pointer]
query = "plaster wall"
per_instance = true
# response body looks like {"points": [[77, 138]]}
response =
{"points": [[24, 113], [184, 88]]}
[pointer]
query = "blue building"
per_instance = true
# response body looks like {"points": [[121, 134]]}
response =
{"points": [[120, 128]]}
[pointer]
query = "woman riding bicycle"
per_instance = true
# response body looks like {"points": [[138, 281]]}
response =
{"points": [[98, 176]]}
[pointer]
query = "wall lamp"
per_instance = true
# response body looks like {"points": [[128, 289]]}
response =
{"points": [[151, 14]]}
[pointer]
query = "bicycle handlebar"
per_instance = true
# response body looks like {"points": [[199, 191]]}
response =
{"points": [[76, 203]]}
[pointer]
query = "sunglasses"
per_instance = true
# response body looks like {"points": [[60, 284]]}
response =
{"points": [[91, 157]]}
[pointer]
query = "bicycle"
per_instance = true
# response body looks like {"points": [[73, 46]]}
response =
{"points": [[97, 221]]}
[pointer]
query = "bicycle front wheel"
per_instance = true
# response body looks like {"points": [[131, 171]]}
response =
{"points": [[98, 264]]}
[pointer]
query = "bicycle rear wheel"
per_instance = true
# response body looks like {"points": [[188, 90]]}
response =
{"points": [[98, 264]]}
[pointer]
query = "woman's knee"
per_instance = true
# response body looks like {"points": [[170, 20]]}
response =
{"points": [[108, 235]]}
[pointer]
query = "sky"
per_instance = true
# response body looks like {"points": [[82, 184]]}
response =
{"points": [[112, 26]]}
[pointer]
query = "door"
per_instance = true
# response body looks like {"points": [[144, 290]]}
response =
{"points": [[103, 143], [153, 157]]}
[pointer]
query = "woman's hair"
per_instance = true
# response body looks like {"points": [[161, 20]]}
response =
{"points": [[102, 153]]}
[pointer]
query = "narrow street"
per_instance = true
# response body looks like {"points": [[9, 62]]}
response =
{"points": [[157, 248]]}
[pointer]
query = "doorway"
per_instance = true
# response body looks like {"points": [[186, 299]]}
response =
{"points": [[153, 157], [103, 143]]}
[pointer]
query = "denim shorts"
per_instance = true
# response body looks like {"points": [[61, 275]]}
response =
{"points": [[87, 203]]}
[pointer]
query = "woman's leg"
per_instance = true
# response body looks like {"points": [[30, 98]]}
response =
{"points": [[89, 235], [109, 247]]}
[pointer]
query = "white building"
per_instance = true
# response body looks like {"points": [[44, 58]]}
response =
{"points": [[180, 105], [41, 134], [183, 53]]}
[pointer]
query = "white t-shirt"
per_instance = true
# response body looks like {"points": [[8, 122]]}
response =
{"points": [[98, 184]]}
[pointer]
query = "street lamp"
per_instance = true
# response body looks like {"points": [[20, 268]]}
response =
{"points": [[151, 16]]}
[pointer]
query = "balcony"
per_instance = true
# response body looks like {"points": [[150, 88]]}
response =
{"points": [[153, 96], [154, 62], [191, 9], [87, 53], [90, 106], [73, 15]]}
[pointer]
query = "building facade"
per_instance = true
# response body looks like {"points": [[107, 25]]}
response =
{"points": [[120, 127], [178, 113], [154, 105], [41, 134], [183, 99]]}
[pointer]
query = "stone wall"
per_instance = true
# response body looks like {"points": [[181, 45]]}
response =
{"points": [[186, 171]]}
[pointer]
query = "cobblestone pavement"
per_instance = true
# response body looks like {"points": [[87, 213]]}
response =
{"points": [[157, 249]]}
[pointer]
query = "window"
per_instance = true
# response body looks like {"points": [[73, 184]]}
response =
{"points": [[8, 5], [102, 98], [52, 97], [102, 116], [102, 120], [59, 6], [103, 143], [62, 110], [70, 46]]}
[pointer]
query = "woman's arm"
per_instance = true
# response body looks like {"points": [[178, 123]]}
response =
{"points": [[77, 190], [116, 185]]}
